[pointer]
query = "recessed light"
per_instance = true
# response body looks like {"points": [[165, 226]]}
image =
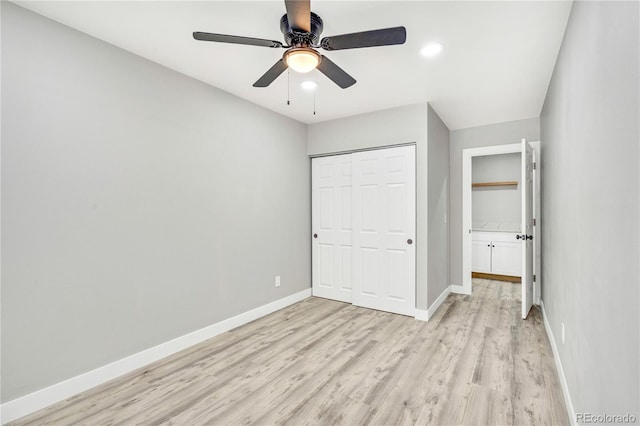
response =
{"points": [[309, 85], [431, 49]]}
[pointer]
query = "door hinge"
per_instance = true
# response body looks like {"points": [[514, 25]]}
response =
{"points": [[534, 278], [534, 221], [534, 166]]}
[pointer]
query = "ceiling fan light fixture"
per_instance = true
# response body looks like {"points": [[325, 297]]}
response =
{"points": [[302, 59]]}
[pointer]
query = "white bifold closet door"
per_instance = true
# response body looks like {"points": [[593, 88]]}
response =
{"points": [[363, 208]]}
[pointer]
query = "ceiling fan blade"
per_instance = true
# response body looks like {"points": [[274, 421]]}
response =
{"points": [[273, 73], [383, 37], [299, 14], [224, 38], [335, 73]]}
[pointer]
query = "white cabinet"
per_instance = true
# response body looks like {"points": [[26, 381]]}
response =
{"points": [[496, 253], [481, 256], [506, 258]]}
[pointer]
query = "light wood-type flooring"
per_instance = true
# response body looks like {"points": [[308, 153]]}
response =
{"points": [[325, 362]]}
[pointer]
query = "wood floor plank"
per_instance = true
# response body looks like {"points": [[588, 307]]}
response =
{"points": [[482, 406], [322, 362], [270, 381]]}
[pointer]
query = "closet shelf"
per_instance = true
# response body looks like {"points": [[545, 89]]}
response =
{"points": [[484, 184]]}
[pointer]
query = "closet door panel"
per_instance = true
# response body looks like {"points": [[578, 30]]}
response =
{"points": [[384, 229], [326, 265], [346, 267], [369, 271], [331, 227]]}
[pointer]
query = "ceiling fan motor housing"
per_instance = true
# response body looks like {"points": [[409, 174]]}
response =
{"points": [[299, 38]]}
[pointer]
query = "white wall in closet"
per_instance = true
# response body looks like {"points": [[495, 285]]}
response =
{"points": [[496, 204]]}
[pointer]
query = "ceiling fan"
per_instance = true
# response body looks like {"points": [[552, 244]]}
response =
{"points": [[302, 29]]}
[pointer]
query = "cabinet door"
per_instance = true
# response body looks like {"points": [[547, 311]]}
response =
{"points": [[506, 258], [481, 256]]}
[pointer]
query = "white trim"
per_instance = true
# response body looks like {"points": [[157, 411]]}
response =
{"points": [[35, 401], [537, 230], [354, 150], [556, 356], [467, 154], [459, 289], [435, 305], [421, 315]]}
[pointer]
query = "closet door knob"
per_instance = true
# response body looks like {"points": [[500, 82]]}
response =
{"points": [[409, 241], [315, 235]]}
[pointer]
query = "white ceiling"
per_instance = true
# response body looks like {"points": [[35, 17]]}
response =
{"points": [[496, 64]]}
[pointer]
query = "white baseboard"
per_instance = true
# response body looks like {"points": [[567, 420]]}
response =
{"points": [[435, 305], [421, 315], [556, 356], [35, 401], [459, 289]]}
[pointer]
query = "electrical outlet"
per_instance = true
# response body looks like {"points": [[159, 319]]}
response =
{"points": [[563, 333], [277, 280]]}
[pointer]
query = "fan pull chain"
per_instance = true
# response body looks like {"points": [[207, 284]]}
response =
{"points": [[314, 101], [288, 86]]}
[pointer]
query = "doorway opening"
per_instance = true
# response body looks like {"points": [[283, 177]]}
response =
{"points": [[502, 246]]}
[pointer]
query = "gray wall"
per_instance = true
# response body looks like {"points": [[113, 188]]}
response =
{"points": [[438, 206], [494, 134], [137, 204], [500, 204], [590, 206], [377, 129]]}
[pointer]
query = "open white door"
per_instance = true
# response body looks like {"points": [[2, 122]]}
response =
{"points": [[528, 159], [384, 230], [331, 227]]}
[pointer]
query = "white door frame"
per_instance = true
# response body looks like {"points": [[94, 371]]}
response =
{"points": [[528, 163], [467, 156]]}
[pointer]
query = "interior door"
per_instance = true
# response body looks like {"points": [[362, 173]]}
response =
{"points": [[331, 226], [384, 229], [528, 158]]}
